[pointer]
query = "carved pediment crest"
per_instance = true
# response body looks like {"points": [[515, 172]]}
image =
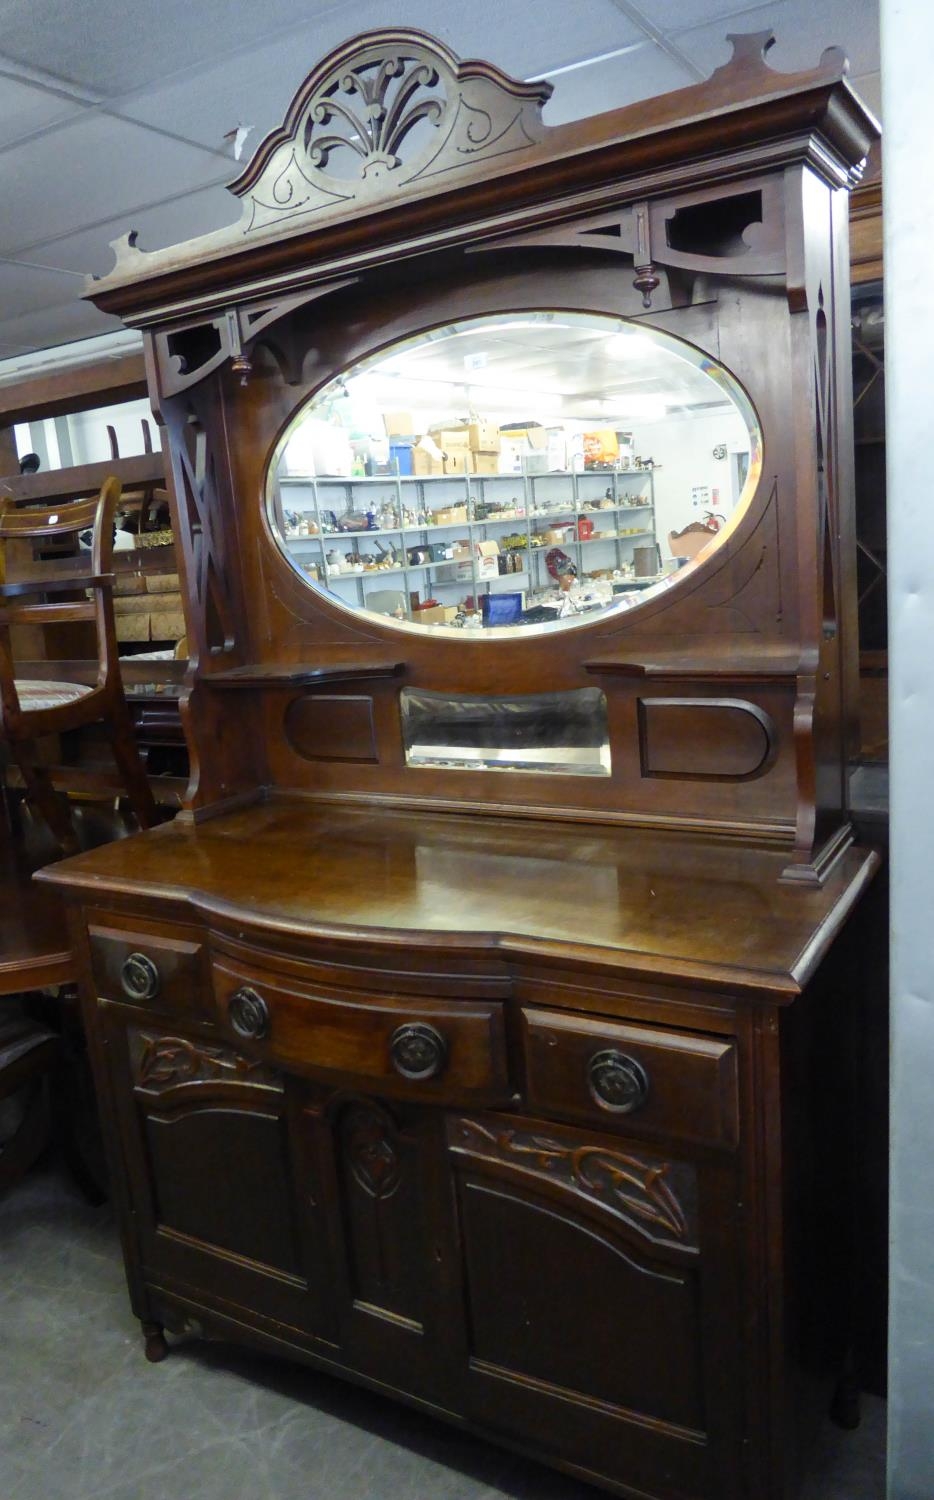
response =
{"points": [[385, 110]]}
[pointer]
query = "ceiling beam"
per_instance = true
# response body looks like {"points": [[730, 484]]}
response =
{"points": [[78, 388]]}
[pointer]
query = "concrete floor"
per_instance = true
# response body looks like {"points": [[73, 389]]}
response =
{"points": [[84, 1417]]}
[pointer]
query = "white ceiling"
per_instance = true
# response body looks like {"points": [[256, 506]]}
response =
{"points": [[114, 113]]}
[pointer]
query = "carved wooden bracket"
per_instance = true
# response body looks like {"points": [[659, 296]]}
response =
{"points": [[385, 110], [646, 278], [189, 352], [735, 231]]}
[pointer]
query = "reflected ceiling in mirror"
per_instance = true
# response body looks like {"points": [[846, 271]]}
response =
{"points": [[527, 471]]}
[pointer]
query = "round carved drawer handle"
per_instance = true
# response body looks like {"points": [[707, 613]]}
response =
{"points": [[248, 1014], [617, 1082], [418, 1051], [139, 977]]}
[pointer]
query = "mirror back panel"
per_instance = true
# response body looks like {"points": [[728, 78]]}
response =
{"points": [[564, 417]]}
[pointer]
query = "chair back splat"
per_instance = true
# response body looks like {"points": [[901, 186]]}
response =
{"points": [[60, 584]]}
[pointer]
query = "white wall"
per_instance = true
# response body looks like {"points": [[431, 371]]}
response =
{"points": [[908, 216], [81, 437], [88, 431], [683, 447]]}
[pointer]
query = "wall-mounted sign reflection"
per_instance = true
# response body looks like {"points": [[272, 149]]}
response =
{"points": [[516, 472]]}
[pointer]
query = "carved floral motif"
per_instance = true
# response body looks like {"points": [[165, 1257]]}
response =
{"points": [[381, 111], [638, 1189], [370, 110], [370, 1150], [163, 1062]]}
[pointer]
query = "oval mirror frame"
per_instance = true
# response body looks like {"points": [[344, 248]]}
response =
{"points": [[559, 468]]}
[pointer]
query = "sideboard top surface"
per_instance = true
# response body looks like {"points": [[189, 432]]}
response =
{"points": [[649, 903]]}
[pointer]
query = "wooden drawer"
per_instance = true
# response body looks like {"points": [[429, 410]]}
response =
{"points": [[646, 1081], [159, 967], [446, 1051]]}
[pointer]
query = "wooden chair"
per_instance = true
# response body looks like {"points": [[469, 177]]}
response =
{"points": [[29, 1056], [71, 589]]}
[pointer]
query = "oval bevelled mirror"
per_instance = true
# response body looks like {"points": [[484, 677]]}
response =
{"points": [[526, 471]]}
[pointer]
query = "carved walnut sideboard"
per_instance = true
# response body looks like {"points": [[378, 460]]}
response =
{"points": [[521, 1096]]}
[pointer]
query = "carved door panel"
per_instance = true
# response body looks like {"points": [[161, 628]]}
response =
{"points": [[382, 1170], [594, 1326], [223, 1196]]}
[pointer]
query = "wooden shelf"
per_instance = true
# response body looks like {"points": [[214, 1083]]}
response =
{"points": [[700, 665], [298, 674], [85, 479]]}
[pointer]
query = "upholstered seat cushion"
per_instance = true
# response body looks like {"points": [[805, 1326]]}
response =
{"points": [[34, 695]]}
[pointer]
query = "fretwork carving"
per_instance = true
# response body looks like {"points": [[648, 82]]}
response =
{"points": [[386, 110], [209, 573]]}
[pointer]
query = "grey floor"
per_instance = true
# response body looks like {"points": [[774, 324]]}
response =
{"points": [[83, 1415]]}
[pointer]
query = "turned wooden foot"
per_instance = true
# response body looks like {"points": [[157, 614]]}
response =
{"points": [[156, 1347]]}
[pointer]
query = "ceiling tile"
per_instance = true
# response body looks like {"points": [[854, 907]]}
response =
{"points": [[25, 289], [56, 325], [613, 83], [128, 43], [115, 45], [25, 108], [255, 88], [525, 41], [89, 252], [88, 171], [802, 30], [252, 88], [734, 15]]}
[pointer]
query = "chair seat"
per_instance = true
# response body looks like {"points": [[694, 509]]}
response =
{"points": [[20, 1036], [34, 695]]}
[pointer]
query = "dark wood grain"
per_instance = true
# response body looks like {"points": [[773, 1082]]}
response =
{"points": [[647, 1296], [692, 1091], [177, 956], [622, 898], [35, 949], [349, 1036]]}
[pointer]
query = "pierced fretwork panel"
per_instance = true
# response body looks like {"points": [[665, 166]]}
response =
{"points": [[210, 573], [387, 109]]}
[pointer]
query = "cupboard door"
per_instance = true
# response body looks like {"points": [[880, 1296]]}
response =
{"points": [[589, 1324], [223, 1193], [386, 1191]]}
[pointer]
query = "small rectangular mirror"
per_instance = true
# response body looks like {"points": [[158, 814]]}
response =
{"points": [[555, 733]]}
